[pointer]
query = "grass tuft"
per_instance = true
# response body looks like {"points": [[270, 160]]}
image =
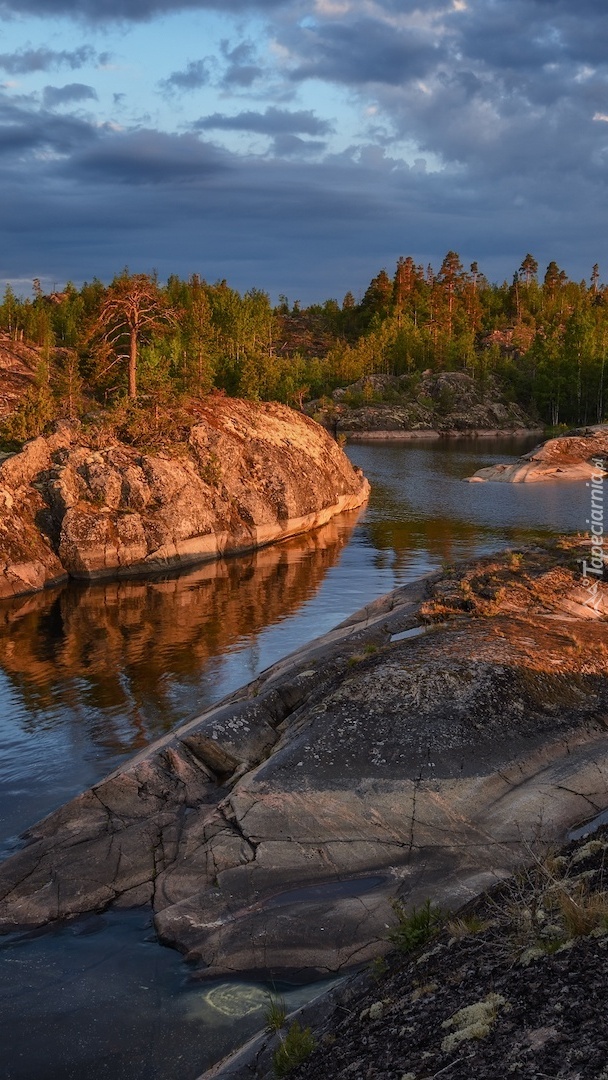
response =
{"points": [[293, 1049], [415, 927], [465, 925], [275, 1012]]}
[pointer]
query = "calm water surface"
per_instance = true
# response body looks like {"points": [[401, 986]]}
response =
{"points": [[90, 674]]}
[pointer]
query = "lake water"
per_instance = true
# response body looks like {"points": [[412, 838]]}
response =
{"points": [[91, 673]]}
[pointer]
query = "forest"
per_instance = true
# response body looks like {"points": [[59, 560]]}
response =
{"points": [[135, 348]]}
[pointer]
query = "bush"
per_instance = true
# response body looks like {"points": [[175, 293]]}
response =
{"points": [[415, 927], [293, 1049]]}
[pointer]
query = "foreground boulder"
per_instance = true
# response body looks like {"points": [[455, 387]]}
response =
{"points": [[579, 455], [82, 504], [418, 749], [513, 985]]}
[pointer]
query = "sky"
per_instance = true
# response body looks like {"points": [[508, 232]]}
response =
{"points": [[300, 146]]}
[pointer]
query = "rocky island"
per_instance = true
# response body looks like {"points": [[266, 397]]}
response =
{"points": [[418, 749], [82, 504], [581, 454], [431, 404]]}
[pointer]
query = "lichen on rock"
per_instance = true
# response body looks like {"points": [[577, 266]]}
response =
{"points": [[472, 1022]]}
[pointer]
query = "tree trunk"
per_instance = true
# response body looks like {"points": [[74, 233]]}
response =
{"points": [[133, 363]]}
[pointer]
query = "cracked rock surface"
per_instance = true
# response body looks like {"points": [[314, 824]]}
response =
{"points": [[271, 833], [83, 504], [514, 986]]}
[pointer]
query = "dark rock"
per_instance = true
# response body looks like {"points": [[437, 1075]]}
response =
{"points": [[438, 403], [272, 831]]}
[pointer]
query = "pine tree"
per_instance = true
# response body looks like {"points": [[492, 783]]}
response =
{"points": [[132, 306], [528, 269]]}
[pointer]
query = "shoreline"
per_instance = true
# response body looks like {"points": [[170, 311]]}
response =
{"points": [[251, 730], [405, 436], [364, 1013]]}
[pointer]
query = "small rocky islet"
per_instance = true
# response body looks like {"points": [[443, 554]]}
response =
{"points": [[81, 503], [423, 405], [581, 454]]}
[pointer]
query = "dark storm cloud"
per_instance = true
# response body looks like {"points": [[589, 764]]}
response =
{"points": [[65, 95], [26, 61], [194, 75], [366, 50], [146, 157], [496, 89], [499, 98], [131, 10], [314, 230], [525, 35], [271, 122], [24, 129]]}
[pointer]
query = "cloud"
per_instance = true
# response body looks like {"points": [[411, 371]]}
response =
{"points": [[367, 50], [271, 122], [26, 61], [243, 68], [194, 75], [502, 89], [292, 146], [128, 10], [506, 102], [35, 134], [102, 198], [241, 71], [65, 95], [146, 158]]}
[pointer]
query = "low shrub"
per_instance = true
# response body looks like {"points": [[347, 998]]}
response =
{"points": [[415, 927], [293, 1049]]}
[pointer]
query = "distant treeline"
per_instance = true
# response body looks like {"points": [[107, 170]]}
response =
{"points": [[544, 337]]}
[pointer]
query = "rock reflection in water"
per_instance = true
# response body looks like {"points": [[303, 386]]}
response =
{"points": [[90, 674]]}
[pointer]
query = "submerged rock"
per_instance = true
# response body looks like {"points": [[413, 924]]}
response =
{"points": [[270, 833], [578, 455], [87, 506]]}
